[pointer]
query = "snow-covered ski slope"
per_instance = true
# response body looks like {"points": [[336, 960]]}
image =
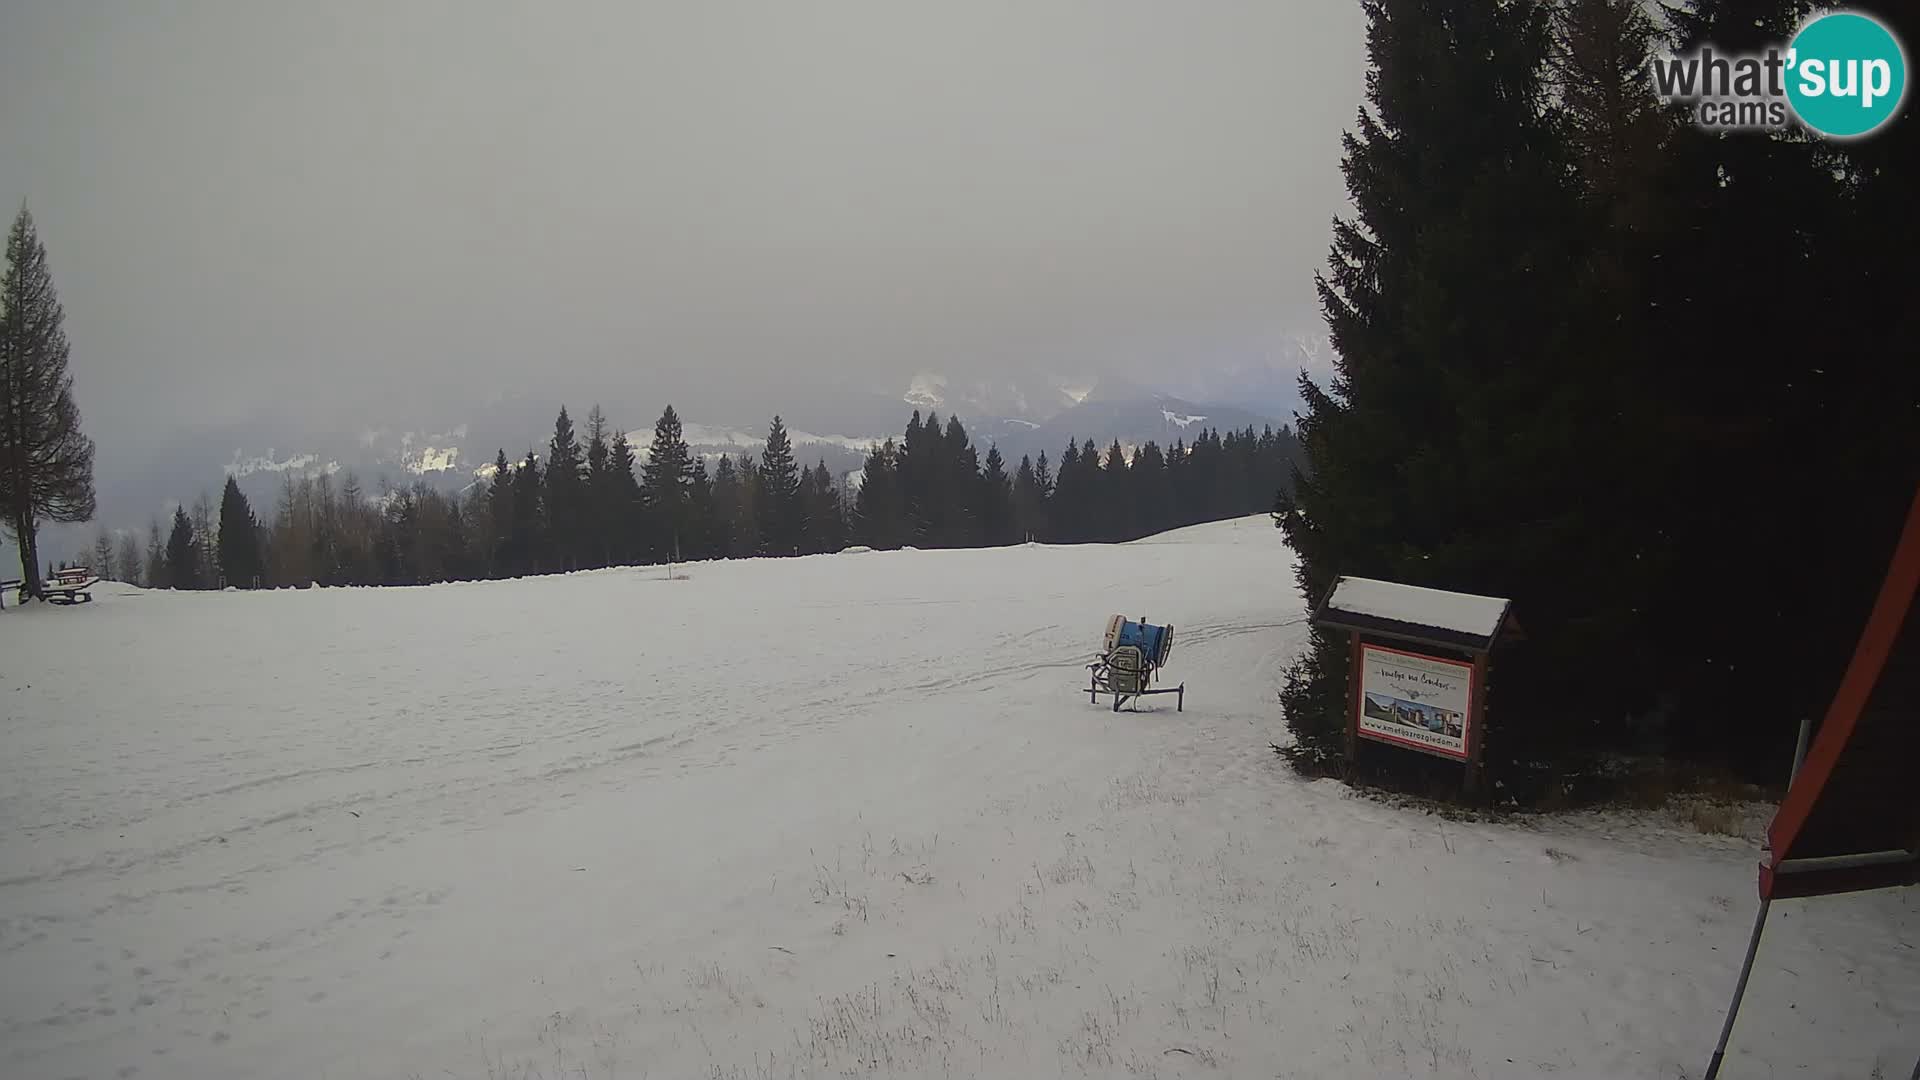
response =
{"points": [[842, 815]]}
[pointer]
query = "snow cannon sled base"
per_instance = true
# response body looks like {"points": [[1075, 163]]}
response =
{"points": [[1133, 654]]}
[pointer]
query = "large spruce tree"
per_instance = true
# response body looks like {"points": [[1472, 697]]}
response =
{"points": [[1070, 504], [1440, 453], [1024, 501], [599, 541], [879, 506], [500, 554], [1782, 449], [666, 485], [697, 534], [748, 495], [959, 517], [917, 466], [183, 555], [622, 497], [239, 540], [778, 508], [530, 530], [995, 500], [823, 522], [567, 509], [46, 463]]}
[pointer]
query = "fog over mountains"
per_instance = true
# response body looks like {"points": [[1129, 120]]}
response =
{"points": [[450, 441]]}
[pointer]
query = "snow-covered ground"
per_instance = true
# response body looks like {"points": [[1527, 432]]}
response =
{"points": [[843, 815]]}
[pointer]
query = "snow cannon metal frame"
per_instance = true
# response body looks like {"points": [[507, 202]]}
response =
{"points": [[1132, 654]]}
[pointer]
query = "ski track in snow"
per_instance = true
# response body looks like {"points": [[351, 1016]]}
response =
{"points": [[843, 815]]}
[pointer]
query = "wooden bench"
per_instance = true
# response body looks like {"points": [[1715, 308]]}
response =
{"points": [[70, 586]]}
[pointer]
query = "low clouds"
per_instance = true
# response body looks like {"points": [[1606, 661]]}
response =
{"points": [[334, 209]]}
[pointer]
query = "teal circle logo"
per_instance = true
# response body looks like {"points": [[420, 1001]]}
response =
{"points": [[1846, 75]]}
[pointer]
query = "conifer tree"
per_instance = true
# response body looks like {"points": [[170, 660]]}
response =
{"points": [[46, 463], [1043, 487], [623, 502], [960, 475], [599, 542], [1116, 510], [1148, 492], [1818, 407], [1453, 270], [1070, 505], [996, 500], [239, 539], [822, 526], [1024, 501], [697, 533], [879, 506], [747, 541], [183, 558], [723, 536], [778, 508], [917, 466], [565, 495], [502, 558], [529, 518], [666, 482]]}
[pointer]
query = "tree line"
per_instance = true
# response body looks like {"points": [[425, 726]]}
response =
{"points": [[1657, 385], [590, 503], [597, 503], [931, 489]]}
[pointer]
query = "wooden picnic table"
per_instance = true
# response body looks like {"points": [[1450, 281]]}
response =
{"points": [[69, 586]]}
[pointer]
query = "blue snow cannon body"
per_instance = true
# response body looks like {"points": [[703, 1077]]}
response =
{"points": [[1154, 642], [1135, 652]]}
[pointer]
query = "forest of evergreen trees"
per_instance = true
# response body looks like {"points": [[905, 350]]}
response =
{"points": [[590, 503], [1660, 386]]}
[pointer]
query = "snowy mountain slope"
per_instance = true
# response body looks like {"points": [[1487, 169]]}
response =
{"points": [[1040, 414], [842, 815], [1266, 385], [1033, 398]]}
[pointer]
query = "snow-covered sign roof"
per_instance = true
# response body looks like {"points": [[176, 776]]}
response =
{"points": [[1409, 610]]}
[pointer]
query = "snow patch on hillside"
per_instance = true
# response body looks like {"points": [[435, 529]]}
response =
{"points": [[433, 459], [295, 464], [926, 391], [704, 437]]}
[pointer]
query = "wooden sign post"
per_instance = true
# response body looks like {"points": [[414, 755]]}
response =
{"points": [[1417, 677]]}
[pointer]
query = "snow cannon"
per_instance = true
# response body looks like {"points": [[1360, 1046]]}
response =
{"points": [[1132, 654], [1154, 642]]}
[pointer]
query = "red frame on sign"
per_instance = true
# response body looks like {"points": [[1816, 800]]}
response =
{"points": [[1470, 719]]}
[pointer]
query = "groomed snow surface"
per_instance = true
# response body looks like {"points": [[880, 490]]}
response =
{"points": [[843, 815]]}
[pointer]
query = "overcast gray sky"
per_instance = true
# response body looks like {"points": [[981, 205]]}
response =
{"points": [[326, 206]]}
